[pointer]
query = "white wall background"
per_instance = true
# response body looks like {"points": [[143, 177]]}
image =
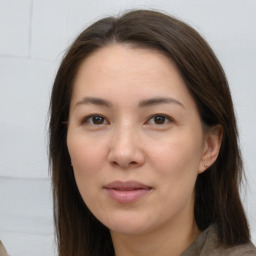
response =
{"points": [[33, 37]]}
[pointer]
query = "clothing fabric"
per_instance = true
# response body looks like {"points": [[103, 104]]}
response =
{"points": [[3, 252], [207, 244]]}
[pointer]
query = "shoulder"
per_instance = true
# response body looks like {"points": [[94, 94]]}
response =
{"points": [[207, 244], [213, 248], [241, 250]]}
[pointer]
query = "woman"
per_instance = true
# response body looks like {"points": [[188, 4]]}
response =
{"points": [[143, 144]]}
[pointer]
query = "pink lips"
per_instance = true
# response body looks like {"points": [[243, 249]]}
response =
{"points": [[126, 192]]}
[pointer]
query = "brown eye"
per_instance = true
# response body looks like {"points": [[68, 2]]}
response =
{"points": [[159, 119], [98, 120], [94, 120]]}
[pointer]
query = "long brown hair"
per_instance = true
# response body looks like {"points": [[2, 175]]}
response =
{"points": [[217, 197]]}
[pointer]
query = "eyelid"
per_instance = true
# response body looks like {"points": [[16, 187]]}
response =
{"points": [[170, 119], [86, 118]]}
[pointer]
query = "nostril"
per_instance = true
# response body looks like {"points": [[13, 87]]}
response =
{"points": [[125, 165], [114, 163], [132, 163]]}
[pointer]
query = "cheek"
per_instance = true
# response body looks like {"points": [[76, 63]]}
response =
{"points": [[88, 160], [177, 152], [87, 155], [177, 162]]}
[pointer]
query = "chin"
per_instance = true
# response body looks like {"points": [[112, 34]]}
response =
{"points": [[128, 229], [128, 224]]}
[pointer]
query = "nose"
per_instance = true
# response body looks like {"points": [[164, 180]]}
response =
{"points": [[126, 149]]}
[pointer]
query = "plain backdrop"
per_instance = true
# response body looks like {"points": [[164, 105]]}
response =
{"points": [[33, 37]]}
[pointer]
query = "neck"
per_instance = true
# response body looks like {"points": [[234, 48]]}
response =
{"points": [[164, 242]]}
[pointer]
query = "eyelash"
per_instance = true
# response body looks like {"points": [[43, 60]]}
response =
{"points": [[166, 118], [86, 120]]}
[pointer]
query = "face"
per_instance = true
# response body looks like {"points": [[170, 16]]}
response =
{"points": [[135, 140]]}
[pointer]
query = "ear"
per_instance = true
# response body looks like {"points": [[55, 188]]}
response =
{"points": [[211, 147]]}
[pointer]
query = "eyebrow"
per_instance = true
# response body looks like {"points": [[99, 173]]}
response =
{"points": [[159, 100], [95, 101], [143, 103]]}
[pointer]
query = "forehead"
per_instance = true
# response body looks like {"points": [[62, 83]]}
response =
{"points": [[125, 70], [126, 58]]}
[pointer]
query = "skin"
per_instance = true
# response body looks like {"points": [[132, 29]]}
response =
{"points": [[126, 143]]}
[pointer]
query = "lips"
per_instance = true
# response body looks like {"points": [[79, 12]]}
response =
{"points": [[127, 192]]}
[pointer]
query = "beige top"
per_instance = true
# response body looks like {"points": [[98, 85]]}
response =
{"points": [[3, 252], [207, 244]]}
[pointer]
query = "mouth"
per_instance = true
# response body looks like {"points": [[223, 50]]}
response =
{"points": [[127, 192]]}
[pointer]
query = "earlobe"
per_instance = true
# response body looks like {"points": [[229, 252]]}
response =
{"points": [[212, 143]]}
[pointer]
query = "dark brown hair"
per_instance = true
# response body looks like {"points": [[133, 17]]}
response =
{"points": [[217, 189]]}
